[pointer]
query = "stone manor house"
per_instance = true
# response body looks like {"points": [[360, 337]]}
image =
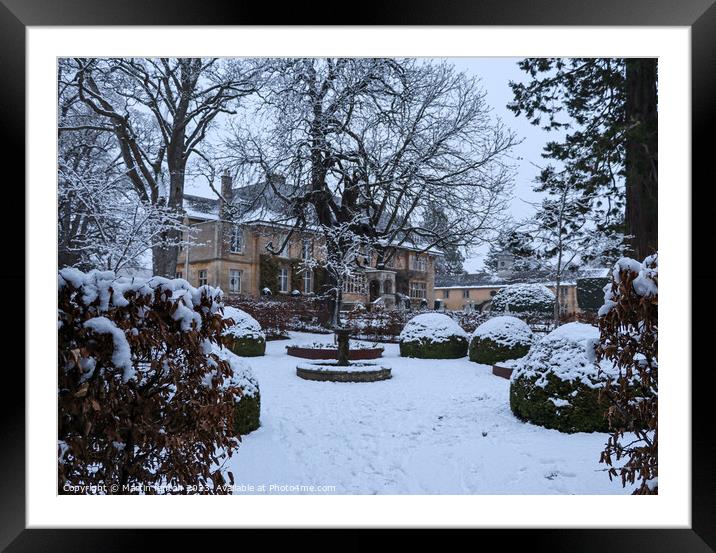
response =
{"points": [[230, 252]]}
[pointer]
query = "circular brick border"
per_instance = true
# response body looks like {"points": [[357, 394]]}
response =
{"points": [[318, 353], [319, 372], [504, 372]]}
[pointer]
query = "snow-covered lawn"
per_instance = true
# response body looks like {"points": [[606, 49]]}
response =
{"points": [[441, 426]]}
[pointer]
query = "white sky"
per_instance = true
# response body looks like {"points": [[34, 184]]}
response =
{"points": [[495, 75]]}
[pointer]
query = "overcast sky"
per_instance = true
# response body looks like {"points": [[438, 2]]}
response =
{"points": [[495, 75]]}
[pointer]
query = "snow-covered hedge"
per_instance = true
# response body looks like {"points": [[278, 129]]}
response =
{"points": [[629, 325], [244, 336], [433, 336], [521, 298], [557, 384], [142, 391], [247, 413], [499, 339]]}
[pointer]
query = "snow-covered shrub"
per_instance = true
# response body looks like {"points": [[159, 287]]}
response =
{"points": [[521, 298], [247, 410], [500, 339], [557, 384], [244, 336], [143, 399], [629, 338], [433, 336]]}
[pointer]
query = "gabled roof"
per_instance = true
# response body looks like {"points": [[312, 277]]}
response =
{"points": [[485, 279], [250, 209], [198, 207]]}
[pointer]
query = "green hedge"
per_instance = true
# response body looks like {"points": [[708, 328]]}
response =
{"points": [[590, 293], [425, 348], [488, 352], [247, 414], [584, 413], [246, 347]]}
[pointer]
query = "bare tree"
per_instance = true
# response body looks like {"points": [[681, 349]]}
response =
{"points": [[159, 111], [375, 143]]}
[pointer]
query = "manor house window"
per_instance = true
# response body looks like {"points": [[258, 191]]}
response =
{"points": [[237, 239], [235, 281], [420, 263], [418, 289], [308, 281], [354, 285]]}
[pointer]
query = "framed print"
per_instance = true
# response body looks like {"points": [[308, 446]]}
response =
{"points": [[397, 272]]}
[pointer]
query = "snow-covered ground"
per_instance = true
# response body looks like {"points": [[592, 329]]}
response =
{"points": [[437, 427]]}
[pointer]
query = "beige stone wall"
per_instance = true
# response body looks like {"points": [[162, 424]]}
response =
{"points": [[568, 299], [455, 301], [213, 255]]}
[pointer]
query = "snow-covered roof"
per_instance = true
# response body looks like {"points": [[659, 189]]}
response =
{"points": [[486, 279], [264, 212]]}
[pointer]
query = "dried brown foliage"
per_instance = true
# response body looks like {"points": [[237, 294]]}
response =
{"points": [[168, 425], [629, 339], [379, 325], [279, 315]]}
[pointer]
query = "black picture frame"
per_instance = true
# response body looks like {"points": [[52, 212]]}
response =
{"points": [[699, 15]]}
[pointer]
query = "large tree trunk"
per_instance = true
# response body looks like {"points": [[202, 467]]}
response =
{"points": [[165, 255], [641, 156]]}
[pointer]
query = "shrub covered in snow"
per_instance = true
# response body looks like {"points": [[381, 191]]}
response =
{"points": [[629, 327], [143, 398], [521, 298], [244, 336], [433, 336], [247, 410], [499, 339], [557, 384]]}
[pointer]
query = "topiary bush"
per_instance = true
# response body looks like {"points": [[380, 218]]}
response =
{"points": [[500, 339], [433, 336], [247, 404], [557, 384], [244, 335], [524, 298]]}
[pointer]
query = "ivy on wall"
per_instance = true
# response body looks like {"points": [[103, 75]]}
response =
{"points": [[403, 278], [268, 273]]}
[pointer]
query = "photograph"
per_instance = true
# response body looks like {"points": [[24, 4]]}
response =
{"points": [[357, 275]]}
